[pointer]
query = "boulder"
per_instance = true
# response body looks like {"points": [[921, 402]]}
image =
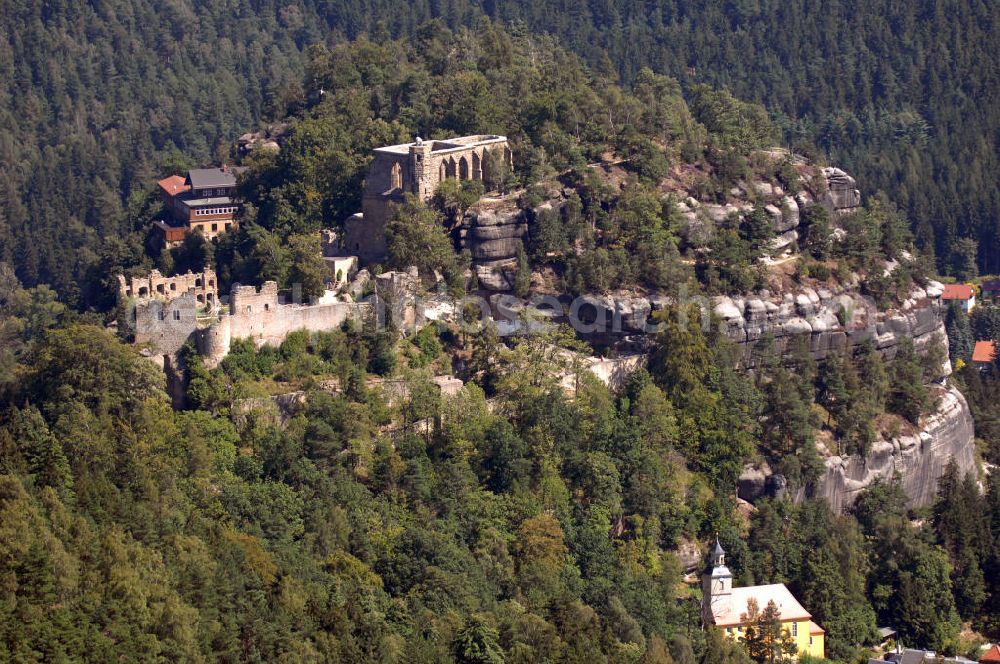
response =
{"points": [[842, 194], [497, 275]]}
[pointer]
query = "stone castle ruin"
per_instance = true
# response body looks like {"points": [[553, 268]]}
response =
{"points": [[163, 327], [417, 168], [156, 286]]}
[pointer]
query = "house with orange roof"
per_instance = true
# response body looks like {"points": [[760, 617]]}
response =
{"points": [[992, 655], [984, 353], [726, 607], [964, 294]]}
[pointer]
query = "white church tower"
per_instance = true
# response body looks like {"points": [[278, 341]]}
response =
{"points": [[716, 584]]}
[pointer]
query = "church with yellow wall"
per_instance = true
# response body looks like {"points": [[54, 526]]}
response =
{"points": [[724, 606]]}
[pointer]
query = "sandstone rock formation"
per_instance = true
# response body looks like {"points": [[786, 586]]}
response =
{"points": [[842, 195], [835, 319], [838, 318], [493, 237], [920, 459]]}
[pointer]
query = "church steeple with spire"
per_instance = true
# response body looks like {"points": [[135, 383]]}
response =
{"points": [[716, 582]]}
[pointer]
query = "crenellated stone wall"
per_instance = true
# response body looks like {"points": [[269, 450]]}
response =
{"points": [[164, 327]]}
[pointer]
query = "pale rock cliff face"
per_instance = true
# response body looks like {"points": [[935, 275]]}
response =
{"points": [[835, 319], [842, 195], [832, 319], [920, 459]]}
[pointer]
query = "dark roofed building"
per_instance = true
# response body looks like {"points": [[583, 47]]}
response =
{"points": [[203, 200], [912, 656], [990, 289], [212, 178]]}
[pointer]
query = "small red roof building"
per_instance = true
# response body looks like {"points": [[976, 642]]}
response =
{"points": [[984, 352], [173, 185], [991, 655], [958, 292]]}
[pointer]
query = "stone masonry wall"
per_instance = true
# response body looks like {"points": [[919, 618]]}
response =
{"points": [[164, 327], [155, 285], [417, 168]]}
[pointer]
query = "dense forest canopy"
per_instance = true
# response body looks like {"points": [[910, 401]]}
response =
{"points": [[513, 521], [102, 98]]}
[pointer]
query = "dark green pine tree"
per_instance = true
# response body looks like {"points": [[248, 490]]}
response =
{"points": [[959, 331]]}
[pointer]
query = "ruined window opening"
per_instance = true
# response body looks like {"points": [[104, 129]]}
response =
{"points": [[173, 287], [159, 289], [197, 282], [163, 315], [248, 308], [267, 307]]}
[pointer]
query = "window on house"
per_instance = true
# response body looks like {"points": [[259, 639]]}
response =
{"points": [[163, 315], [215, 227], [177, 314], [248, 308], [795, 629]]}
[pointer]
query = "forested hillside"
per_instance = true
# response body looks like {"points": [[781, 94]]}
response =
{"points": [[297, 509], [510, 522], [101, 98]]}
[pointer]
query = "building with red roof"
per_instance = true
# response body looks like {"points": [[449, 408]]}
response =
{"points": [[992, 655], [964, 294], [984, 353]]}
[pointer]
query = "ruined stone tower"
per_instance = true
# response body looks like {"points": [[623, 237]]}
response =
{"points": [[417, 168]]}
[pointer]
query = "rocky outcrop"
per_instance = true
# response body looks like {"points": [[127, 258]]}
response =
{"points": [[833, 319], [700, 219], [268, 139], [836, 319], [842, 195], [494, 237], [920, 458]]}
